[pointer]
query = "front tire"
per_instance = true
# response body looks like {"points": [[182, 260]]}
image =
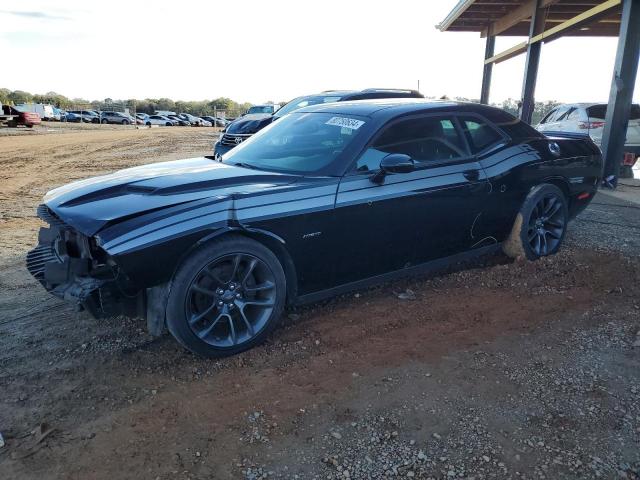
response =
{"points": [[226, 297], [541, 224]]}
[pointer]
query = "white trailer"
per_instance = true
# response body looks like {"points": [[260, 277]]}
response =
{"points": [[45, 111]]}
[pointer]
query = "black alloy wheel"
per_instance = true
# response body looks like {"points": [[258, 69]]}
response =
{"points": [[226, 297], [546, 225], [230, 300], [541, 224]]}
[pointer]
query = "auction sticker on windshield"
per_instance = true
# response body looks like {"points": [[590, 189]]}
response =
{"points": [[345, 122]]}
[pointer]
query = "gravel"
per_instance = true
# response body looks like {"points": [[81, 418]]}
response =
{"points": [[560, 392]]}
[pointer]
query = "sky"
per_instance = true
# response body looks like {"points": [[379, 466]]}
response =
{"points": [[259, 50]]}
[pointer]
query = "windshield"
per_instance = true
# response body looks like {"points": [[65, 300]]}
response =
{"points": [[261, 109], [305, 102], [298, 143]]}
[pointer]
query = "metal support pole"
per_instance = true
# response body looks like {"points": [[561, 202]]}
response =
{"points": [[621, 94], [488, 69], [531, 65]]}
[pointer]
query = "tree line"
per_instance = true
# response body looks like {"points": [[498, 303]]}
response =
{"points": [[511, 105]]}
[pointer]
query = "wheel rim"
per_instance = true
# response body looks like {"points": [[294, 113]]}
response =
{"points": [[230, 300], [546, 225]]}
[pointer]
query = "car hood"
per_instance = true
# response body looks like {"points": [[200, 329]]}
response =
{"points": [[89, 205], [249, 123]]}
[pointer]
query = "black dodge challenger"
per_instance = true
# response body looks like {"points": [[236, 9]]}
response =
{"points": [[329, 198]]}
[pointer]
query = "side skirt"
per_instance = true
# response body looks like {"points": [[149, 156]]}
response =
{"points": [[428, 267]]}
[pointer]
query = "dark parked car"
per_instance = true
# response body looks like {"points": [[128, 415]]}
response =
{"points": [[215, 121], [179, 121], [328, 199], [87, 116], [72, 117], [242, 128]]}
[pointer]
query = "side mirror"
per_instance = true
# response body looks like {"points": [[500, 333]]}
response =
{"points": [[397, 163], [394, 163]]}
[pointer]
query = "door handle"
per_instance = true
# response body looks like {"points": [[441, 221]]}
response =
{"points": [[472, 175]]}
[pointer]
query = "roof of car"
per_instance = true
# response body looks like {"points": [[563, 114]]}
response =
{"points": [[399, 106]]}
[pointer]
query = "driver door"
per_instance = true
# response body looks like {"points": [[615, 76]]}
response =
{"points": [[409, 218]]}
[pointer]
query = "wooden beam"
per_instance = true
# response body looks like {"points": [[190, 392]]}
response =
{"points": [[564, 28], [577, 21], [521, 13], [509, 53]]}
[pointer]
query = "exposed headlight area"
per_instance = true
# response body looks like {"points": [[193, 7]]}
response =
{"points": [[73, 266]]}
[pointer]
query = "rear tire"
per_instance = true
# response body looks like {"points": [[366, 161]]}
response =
{"points": [[226, 297], [541, 224]]}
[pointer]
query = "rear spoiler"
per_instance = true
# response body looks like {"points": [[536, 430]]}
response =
{"points": [[574, 135]]}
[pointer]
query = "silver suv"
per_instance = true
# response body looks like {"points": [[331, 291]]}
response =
{"points": [[116, 117], [589, 119]]}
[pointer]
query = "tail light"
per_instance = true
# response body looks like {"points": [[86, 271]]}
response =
{"points": [[590, 125], [629, 158]]}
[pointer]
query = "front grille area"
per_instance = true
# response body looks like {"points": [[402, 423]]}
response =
{"points": [[63, 262], [232, 139], [44, 253], [38, 257]]}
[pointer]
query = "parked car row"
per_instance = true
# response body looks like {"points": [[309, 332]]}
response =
{"points": [[169, 119], [165, 118]]}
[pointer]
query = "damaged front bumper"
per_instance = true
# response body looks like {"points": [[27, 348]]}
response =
{"points": [[72, 267]]}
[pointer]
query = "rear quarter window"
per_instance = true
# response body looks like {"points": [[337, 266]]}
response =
{"points": [[597, 111], [600, 112], [517, 129], [481, 135]]}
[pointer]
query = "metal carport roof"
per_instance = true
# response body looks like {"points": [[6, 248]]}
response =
{"points": [[542, 21]]}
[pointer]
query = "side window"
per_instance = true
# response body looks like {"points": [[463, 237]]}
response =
{"points": [[429, 139], [480, 135]]}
